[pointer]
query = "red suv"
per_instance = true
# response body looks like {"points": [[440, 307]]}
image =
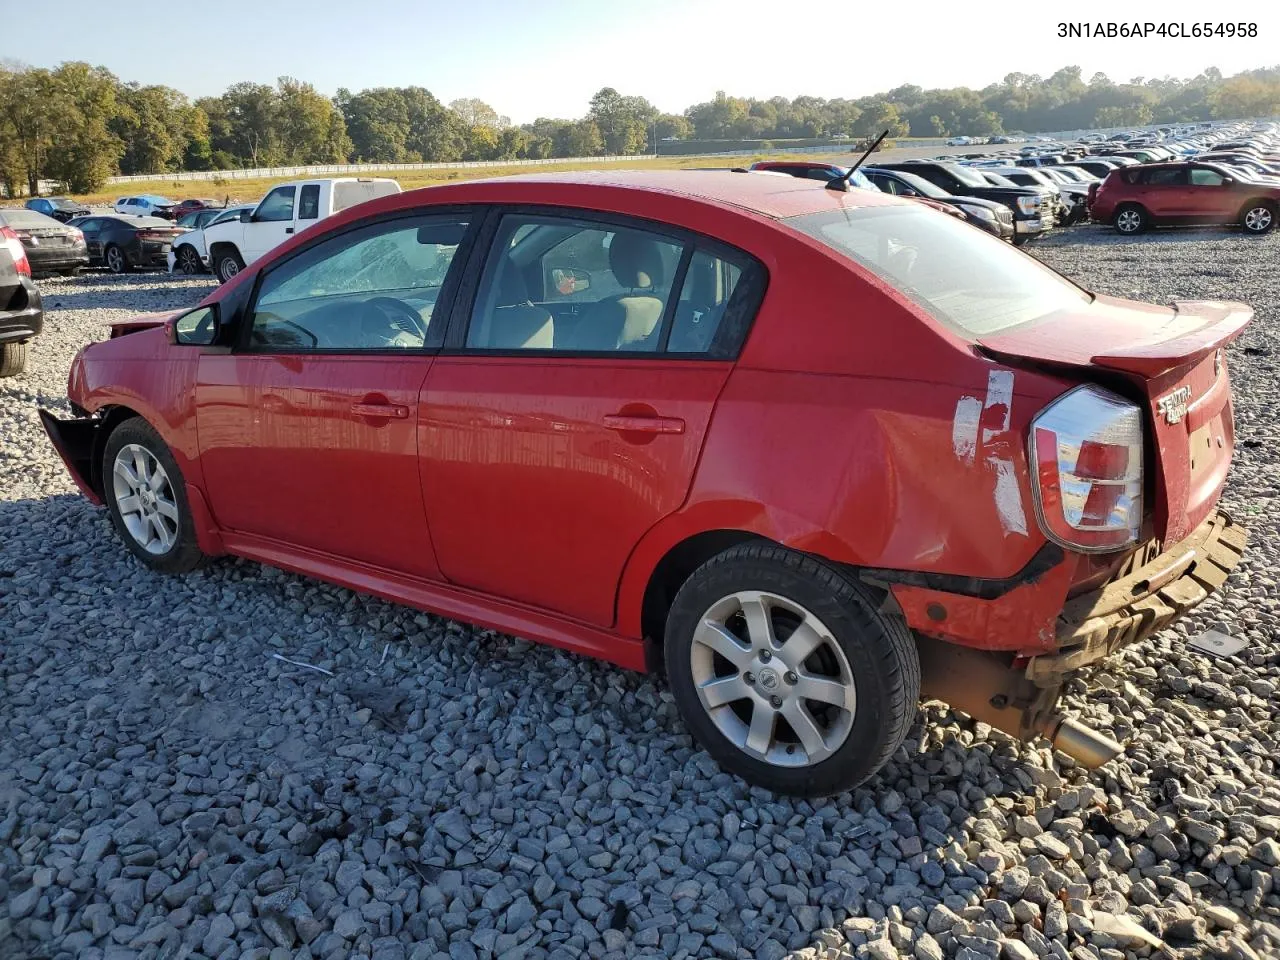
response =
{"points": [[811, 452], [1159, 194]]}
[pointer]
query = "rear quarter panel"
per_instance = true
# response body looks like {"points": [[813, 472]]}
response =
{"points": [[856, 429]]}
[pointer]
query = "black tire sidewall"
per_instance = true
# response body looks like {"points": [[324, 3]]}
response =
{"points": [[185, 553], [224, 258], [851, 616]]}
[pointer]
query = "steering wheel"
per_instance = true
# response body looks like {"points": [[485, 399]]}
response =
{"points": [[400, 315]]}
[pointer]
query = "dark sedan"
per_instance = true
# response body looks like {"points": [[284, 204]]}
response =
{"points": [[21, 312], [51, 246], [123, 243], [60, 208], [988, 215]]}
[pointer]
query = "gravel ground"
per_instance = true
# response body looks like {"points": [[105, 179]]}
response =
{"points": [[168, 789]]}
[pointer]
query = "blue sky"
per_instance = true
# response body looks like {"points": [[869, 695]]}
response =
{"points": [[531, 58]]}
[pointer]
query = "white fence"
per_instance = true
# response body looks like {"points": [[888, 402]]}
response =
{"points": [[341, 169]]}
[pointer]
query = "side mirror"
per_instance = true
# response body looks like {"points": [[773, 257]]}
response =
{"points": [[246, 216], [198, 327], [570, 280], [908, 192], [1228, 181]]}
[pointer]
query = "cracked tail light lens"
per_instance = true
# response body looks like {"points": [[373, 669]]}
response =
{"points": [[1086, 448]]}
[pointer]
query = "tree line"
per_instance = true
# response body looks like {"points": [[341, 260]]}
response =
{"points": [[79, 124]]}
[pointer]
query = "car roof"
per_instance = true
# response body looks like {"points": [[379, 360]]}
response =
{"points": [[771, 197]]}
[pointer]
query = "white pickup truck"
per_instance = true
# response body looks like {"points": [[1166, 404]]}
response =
{"points": [[287, 209]]}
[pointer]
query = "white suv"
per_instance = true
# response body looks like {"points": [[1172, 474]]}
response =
{"points": [[144, 206]]}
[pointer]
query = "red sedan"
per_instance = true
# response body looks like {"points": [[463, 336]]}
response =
{"points": [[811, 452]]}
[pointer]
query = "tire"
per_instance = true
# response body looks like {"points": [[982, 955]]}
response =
{"points": [[188, 261], [13, 359], [861, 654], [136, 443], [1258, 217], [115, 259], [1020, 239], [227, 265], [1131, 219]]}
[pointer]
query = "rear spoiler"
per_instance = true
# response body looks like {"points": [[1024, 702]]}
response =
{"points": [[1223, 322]]}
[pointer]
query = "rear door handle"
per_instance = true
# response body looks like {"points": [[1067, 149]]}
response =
{"points": [[626, 424], [392, 411]]}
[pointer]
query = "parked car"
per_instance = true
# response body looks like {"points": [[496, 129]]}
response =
{"points": [[995, 218], [1183, 193], [21, 311], [287, 209], [197, 219], [121, 244], [1071, 195], [827, 172], [51, 246], [184, 207], [190, 252], [575, 408], [60, 208], [145, 206], [1032, 207]]}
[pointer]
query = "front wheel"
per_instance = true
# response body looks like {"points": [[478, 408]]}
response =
{"points": [[227, 265], [1131, 219], [788, 672], [1258, 218], [147, 499]]}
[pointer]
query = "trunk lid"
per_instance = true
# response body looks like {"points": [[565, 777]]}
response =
{"points": [[1172, 355]]}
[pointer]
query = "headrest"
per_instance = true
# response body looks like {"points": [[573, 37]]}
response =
{"points": [[635, 260], [511, 286]]}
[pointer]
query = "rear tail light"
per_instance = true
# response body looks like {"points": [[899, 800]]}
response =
{"points": [[10, 241], [1086, 454]]}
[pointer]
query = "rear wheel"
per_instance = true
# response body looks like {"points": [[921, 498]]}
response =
{"points": [[189, 261], [115, 259], [788, 672], [147, 499], [1131, 219], [13, 359], [1258, 217], [227, 265]]}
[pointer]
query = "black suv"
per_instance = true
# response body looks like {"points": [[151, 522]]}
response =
{"points": [[21, 312], [1032, 206]]}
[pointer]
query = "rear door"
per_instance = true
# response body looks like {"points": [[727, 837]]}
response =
{"points": [[1164, 192], [566, 416]]}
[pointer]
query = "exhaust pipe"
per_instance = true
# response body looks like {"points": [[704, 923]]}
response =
{"points": [[1080, 742]]}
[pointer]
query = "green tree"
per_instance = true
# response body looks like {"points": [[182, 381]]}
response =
{"points": [[252, 114], [474, 112], [309, 127]]}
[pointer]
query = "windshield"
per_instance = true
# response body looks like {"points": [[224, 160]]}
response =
{"points": [[973, 282]]}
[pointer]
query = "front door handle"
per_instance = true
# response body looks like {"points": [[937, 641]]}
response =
{"points": [[391, 411], [288, 229], [629, 424]]}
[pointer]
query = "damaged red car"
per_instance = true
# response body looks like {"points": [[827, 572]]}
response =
{"points": [[812, 453]]}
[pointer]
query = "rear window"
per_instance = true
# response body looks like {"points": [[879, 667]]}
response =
{"points": [[350, 192], [973, 282], [27, 218]]}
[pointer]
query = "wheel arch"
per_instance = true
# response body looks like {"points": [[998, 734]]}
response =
{"points": [[220, 247], [1259, 201]]}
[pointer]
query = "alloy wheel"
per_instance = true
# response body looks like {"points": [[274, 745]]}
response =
{"points": [[189, 260], [1258, 220], [773, 679], [144, 496], [115, 260], [1128, 221]]}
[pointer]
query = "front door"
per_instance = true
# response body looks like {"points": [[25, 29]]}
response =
{"points": [[92, 230], [271, 223], [1209, 197], [308, 430], [570, 418]]}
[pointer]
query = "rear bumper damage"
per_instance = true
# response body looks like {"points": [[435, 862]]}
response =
{"points": [[1019, 694]]}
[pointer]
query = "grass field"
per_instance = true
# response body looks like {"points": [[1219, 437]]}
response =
{"points": [[246, 191]]}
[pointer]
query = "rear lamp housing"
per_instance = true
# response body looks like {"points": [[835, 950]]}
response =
{"points": [[1086, 452]]}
